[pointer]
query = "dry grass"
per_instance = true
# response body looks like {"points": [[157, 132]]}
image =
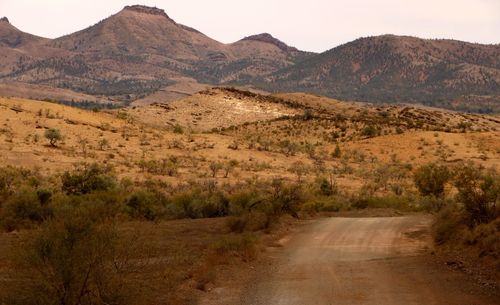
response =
{"points": [[177, 258], [262, 141]]}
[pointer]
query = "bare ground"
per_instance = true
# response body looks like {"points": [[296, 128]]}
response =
{"points": [[379, 261]]}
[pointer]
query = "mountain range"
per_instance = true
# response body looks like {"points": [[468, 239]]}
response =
{"points": [[141, 50]]}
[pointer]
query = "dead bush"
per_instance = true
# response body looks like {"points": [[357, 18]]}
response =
{"points": [[240, 245]]}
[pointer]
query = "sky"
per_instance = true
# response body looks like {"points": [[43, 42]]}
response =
{"points": [[310, 25]]}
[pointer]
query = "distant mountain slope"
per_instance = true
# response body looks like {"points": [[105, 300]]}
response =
{"points": [[13, 44], [12, 37], [141, 49], [396, 68]]}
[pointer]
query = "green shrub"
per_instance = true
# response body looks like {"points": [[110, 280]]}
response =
{"points": [[160, 167], [327, 188], [431, 179], [241, 201], [324, 204], [200, 204], [178, 129], [182, 201], [24, 209], [8, 176], [87, 179], [337, 152], [369, 131], [145, 204], [479, 191], [212, 205], [53, 135]]}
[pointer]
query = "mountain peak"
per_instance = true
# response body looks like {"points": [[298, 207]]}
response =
{"points": [[146, 10], [268, 38], [4, 19]]}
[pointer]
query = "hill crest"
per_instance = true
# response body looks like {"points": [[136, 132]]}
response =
{"points": [[268, 38]]}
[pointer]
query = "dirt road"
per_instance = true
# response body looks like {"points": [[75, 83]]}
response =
{"points": [[372, 261]]}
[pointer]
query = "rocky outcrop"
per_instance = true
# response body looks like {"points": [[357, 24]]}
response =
{"points": [[146, 10]]}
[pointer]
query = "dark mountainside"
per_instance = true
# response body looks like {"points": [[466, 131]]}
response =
{"points": [[141, 49], [399, 69]]}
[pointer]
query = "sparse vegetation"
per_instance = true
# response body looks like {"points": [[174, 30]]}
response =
{"points": [[224, 188]]}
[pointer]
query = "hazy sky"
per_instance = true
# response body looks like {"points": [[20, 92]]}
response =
{"points": [[314, 25]]}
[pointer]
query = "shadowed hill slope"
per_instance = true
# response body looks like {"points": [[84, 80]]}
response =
{"points": [[397, 68]]}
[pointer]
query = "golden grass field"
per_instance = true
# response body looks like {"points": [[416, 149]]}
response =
{"points": [[220, 125]]}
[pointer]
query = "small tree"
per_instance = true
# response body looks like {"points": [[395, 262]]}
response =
{"points": [[83, 145], [53, 135], [286, 198], [229, 166], [103, 143], [327, 187], [308, 114], [337, 153], [431, 179], [214, 168], [299, 169]]}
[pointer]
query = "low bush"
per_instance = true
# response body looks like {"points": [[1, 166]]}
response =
{"points": [[479, 192], [486, 237], [242, 201], [147, 205], [24, 209], [73, 259], [87, 179], [448, 224], [431, 179], [369, 131]]}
